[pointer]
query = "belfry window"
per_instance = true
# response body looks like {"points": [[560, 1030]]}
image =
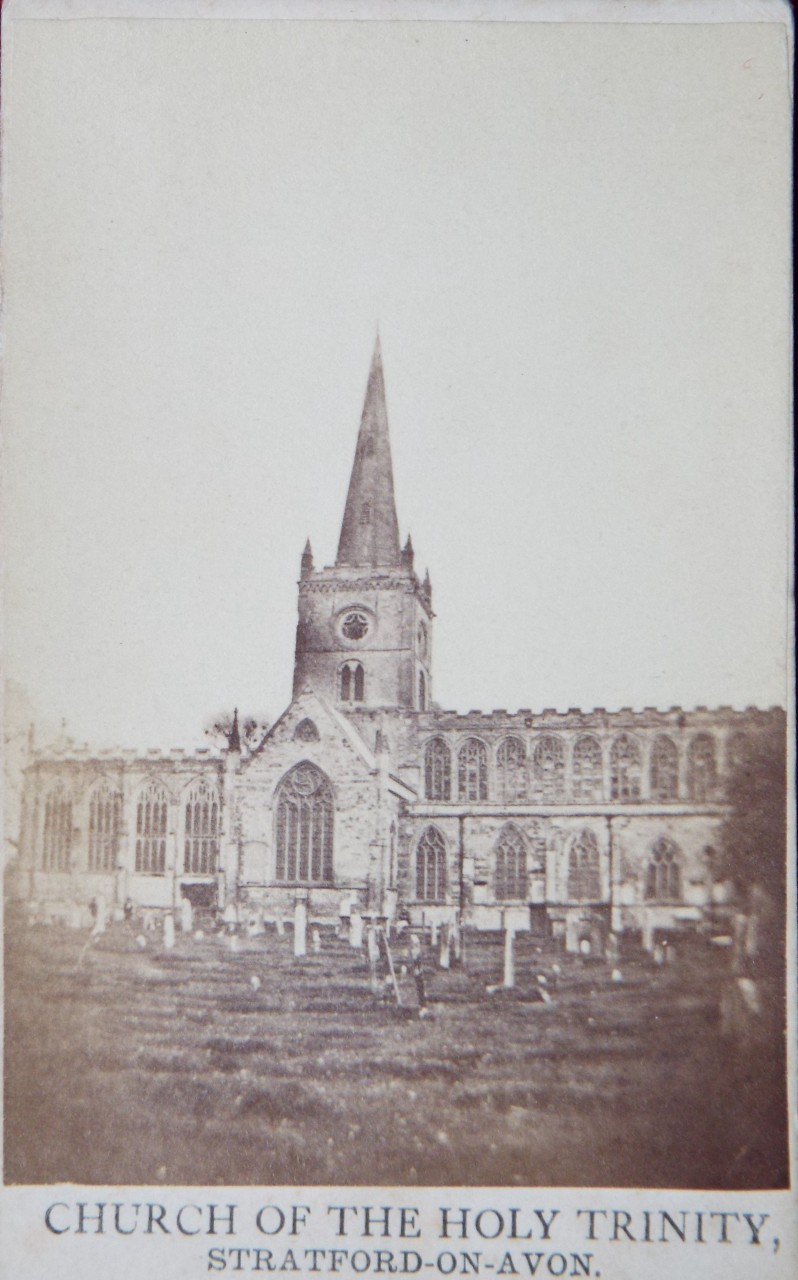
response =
{"points": [[105, 828], [548, 769], [701, 768], [664, 873], [431, 866], [584, 880], [57, 843], [353, 682], [303, 826], [511, 877], [437, 770], [664, 769], [472, 770], [201, 849], [511, 771], [625, 769], [587, 775], [151, 819]]}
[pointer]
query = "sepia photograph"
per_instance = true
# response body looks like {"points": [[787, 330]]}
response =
{"points": [[397, 604]]}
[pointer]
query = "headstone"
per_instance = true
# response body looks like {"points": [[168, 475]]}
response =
{"points": [[585, 948], [300, 928], [169, 931], [415, 947], [232, 942], [433, 933], [509, 963], [280, 926], [101, 919], [315, 938], [373, 949], [186, 916], [456, 940], [356, 930], [444, 959]]}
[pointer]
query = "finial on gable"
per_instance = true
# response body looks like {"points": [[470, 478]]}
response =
{"points": [[307, 561]]}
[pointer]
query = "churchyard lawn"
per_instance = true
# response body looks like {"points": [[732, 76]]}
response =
{"points": [[140, 1065]]}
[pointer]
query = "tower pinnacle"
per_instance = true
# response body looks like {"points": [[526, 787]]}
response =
{"points": [[370, 530]]}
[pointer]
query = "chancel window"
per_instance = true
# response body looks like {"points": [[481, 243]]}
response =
{"points": [[105, 828], [353, 682], [437, 770], [304, 811], [511, 771], [587, 775], [151, 818], [701, 768], [511, 874], [472, 770], [664, 873], [57, 842], [625, 769], [664, 769], [584, 879], [201, 849], [431, 866], [548, 769]]}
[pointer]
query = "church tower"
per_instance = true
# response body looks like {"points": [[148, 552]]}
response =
{"points": [[364, 631]]}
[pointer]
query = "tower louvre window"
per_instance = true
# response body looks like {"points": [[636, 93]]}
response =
{"points": [[105, 828], [625, 769], [664, 769], [431, 866], [548, 769], [201, 849], [511, 771], [701, 768], [472, 770], [57, 843], [511, 873], [151, 819], [586, 771], [584, 880], [353, 682], [304, 811], [437, 770], [664, 873]]}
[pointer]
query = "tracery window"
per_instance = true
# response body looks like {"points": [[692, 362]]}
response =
{"points": [[587, 770], [664, 873], [548, 769], [437, 770], [664, 769], [625, 769], [472, 770], [422, 691], [151, 818], [511, 770], [511, 873], [584, 879], [355, 625], [306, 731], [57, 842], [201, 849], [431, 866], [353, 682], [304, 810], [701, 768], [105, 828]]}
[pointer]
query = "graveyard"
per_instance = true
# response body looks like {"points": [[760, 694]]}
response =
{"points": [[219, 1063]]}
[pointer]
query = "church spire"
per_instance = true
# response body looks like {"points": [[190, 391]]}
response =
{"points": [[370, 530]]}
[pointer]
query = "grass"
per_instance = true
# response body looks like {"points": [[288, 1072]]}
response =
{"points": [[145, 1066]]}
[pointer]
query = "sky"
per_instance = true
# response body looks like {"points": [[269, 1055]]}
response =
{"points": [[574, 242]]}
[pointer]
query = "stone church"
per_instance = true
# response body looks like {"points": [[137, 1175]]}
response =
{"points": [[567, 823]]}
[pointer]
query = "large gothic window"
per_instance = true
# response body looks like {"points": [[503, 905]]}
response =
{"points": [[472, 770], [304, 827], [201, 848], [353, 682], [625, 769], [584, 879], [701, 768], [437, 770], [511, 771], [151, 818], [57, 844], [664, 874], [587, 777], [511, 877], [548, 769], [664, 769], [431, 866], [105, 828]]}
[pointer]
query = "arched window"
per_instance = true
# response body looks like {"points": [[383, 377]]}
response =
{"points": [[548, 769], [664, 873], [511, 770], [701, 768], [306, 731], [737, 750], [584, 879], [57, 843], [472, 770], [511, 878], [664, 769], [625, 769], [201, 849], [105, 828], [422, 691], [437, 770], [151, 814], [304, 810], [431, 866], [353, 682], [588, 782]]}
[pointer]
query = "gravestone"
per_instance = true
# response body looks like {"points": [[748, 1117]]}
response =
{"points": [[168, 931], [300, 929]]}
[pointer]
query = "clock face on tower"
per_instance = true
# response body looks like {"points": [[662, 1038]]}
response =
{"points": [[355, 625]]}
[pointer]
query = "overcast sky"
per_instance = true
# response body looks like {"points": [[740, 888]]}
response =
{"points": [[574, 240]]}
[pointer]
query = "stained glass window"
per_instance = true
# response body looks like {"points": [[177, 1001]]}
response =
{"points": [[105, 828], [151, 819], [548, 769], [472, 770], [511, 875], [663, 874], [304, 811], [625, 769], [664, 769], [431, 866], [584, 879], [57, 843], [437, 770], [511, 771], [201, 850], [587, 770]]}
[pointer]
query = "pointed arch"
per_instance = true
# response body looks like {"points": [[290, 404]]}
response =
{"points": [[472, 770], [306, 731], [587, 769], [664, 768], [152, 808], [701, 767], [584, 876], [511, 771], [548, 769], [57, 830], [511, 864], [105, 827], [664, 872], [437, 770], [202, 830], [431, 866], [304, 809], [353, 682], [625, 769]]}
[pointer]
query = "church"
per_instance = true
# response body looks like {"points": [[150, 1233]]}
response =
{"points": [[573, 825]]}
